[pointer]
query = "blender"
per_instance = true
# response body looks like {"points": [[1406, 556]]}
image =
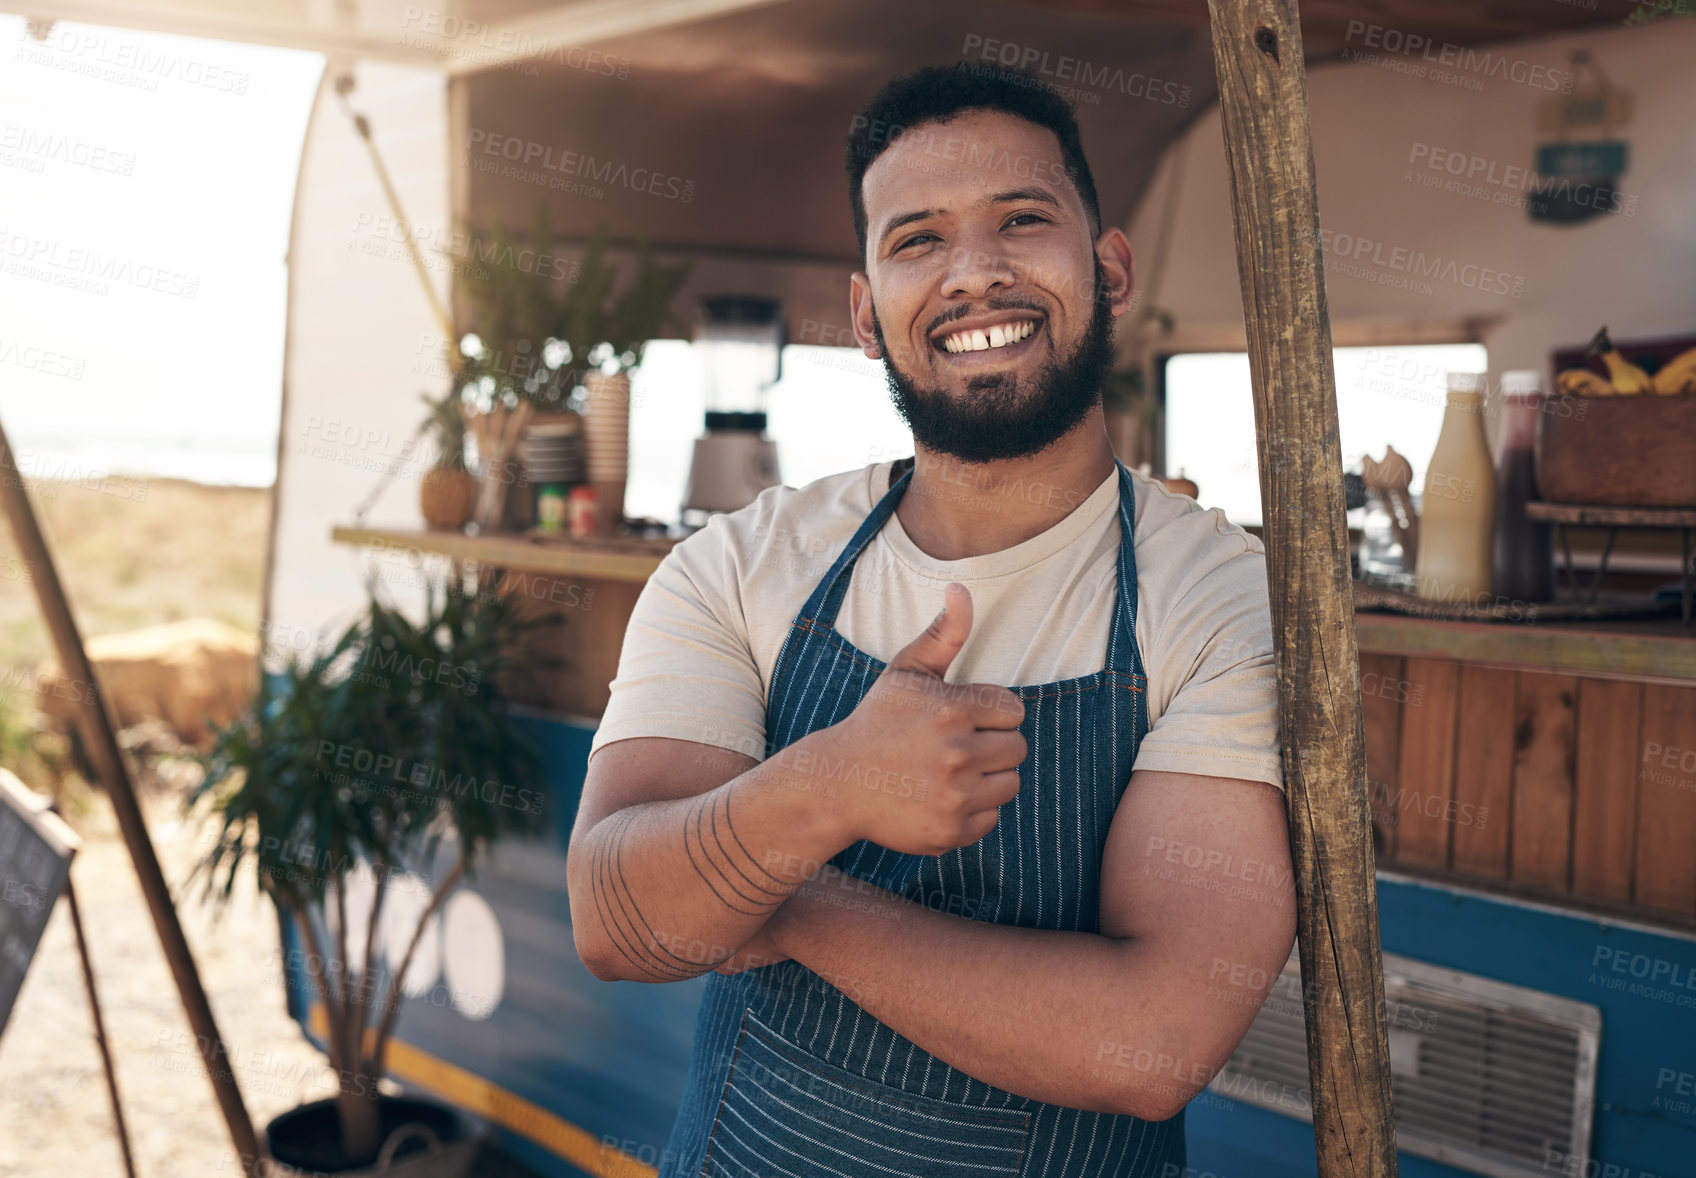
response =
{"points": [[741, 344]]}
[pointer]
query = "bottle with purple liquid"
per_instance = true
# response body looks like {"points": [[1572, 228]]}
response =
{"points": [[1524, 548]]}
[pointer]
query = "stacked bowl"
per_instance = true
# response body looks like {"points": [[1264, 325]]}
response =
{"points": [[552, 452]]}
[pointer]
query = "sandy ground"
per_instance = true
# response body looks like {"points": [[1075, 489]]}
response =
{"points": [[56, 1120], [133, 552]]}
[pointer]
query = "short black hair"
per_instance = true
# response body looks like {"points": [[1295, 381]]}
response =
{"points": [[938, 93]]}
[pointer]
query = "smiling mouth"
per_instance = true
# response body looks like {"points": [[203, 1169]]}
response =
{"points": [[994, 338]]}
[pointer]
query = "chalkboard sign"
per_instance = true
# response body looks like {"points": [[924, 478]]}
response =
{"points": [[35, 864]]}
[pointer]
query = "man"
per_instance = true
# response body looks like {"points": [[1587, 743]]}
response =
{"points": [[955, 926]]}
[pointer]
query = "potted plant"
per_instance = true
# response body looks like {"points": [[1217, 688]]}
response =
{"points": [[518, 290], [532, 343], [511, 361], [372, 761], [608, 331], [447, 491]]}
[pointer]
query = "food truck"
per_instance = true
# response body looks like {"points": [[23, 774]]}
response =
{"points": [[1495, 185]]}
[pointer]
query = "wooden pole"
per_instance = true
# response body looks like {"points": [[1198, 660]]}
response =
{"points": [[100, 1030], [1257, 54], [95, 724]]}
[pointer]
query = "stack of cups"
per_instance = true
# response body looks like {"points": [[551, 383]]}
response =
{"points": [[606, 428]]}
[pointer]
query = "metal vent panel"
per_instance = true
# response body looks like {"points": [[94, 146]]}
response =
{"points": [[1487, 1077]]}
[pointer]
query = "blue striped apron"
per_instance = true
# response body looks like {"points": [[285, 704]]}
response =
{"points": [[789, 1077]]}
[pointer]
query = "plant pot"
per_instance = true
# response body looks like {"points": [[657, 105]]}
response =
{"points": [[1619, 451], [446, 498], [421, 1139]]}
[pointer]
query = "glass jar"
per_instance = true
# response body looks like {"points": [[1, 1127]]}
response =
{"points": [[1383, 561]]}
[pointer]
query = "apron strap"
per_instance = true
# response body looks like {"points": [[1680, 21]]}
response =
{"points": [[827, 595], [1122, 654]]}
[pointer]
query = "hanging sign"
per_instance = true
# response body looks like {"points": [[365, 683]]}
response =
{"points": [[1593, 107], [1596, 157], [1578, 171]]}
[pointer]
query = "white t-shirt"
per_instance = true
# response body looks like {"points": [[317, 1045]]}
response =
{"points": [[705, 632]]}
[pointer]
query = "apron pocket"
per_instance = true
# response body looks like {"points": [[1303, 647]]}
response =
{"points": [[784, 1112]]}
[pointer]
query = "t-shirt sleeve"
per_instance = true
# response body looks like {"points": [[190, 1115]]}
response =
{"points": [[686, 670], [1220, 717]]}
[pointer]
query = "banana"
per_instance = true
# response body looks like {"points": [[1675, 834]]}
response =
{"points": [[1677, 375], [1628, 379], [1581, 382]]}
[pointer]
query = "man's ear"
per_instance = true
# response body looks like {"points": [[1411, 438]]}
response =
{"points": [[1118, 267], [860, 311]]}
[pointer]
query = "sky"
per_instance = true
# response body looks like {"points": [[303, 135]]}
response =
{"points": [[146, 183]]}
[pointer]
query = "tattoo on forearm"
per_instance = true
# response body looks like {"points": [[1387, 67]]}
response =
{"points": [[626, 927], [719, 858]]}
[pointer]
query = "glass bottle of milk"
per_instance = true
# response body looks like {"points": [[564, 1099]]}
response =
{"points": [[1458, 506]]}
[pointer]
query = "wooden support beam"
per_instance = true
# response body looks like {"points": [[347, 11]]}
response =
{"points": [[1257, 55], [95, 724]]}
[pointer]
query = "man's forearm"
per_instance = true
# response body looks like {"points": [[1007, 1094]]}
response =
{"points": [[1073, 1019], [664, 891]]}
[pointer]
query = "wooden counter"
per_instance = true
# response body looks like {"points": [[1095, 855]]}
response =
{"points": [[1662, 651], [605, 560], [1554, 759], [590, 585]]}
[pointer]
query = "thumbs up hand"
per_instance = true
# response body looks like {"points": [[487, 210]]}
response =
{"points": [[924, 764], [933, 651]]}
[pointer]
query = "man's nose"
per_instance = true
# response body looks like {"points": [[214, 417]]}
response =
{"points": [[977, 267]]}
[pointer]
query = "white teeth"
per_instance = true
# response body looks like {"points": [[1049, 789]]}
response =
{"points": [[997, 336]]}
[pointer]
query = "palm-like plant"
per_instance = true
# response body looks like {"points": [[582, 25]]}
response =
{"points": [[511, 281], [374, 756], [608, 333], [536, 340]]}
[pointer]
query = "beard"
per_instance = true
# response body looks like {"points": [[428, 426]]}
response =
{"points": [[1000, 417]]}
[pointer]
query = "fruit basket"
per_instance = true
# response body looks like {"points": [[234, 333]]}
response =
{"points": [[1627, 439]]}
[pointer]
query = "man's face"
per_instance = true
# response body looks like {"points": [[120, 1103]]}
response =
{"points": [[983, 287]]}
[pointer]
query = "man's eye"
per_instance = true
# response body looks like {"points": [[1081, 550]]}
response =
{"points": [[1029, 217], [917, 237]]}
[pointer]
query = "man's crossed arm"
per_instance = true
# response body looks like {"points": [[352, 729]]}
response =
{"points": [[1197, 919]]}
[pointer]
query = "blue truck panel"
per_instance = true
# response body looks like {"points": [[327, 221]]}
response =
{"points": [[567, 1064]]}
